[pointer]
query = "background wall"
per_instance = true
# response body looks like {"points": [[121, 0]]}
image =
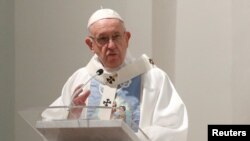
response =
{"points": [[204, 59], [202, 44], [240, 61], [7, 57], [212, 62]]}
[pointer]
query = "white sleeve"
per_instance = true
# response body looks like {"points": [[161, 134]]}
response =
{"points": [[63, 100], [55, 113], [166, 119]]}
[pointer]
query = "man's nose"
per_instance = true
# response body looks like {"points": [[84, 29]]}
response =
{"points": [[111, 44]]}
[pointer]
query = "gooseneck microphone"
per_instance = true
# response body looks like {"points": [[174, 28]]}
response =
{"points": [[98, 73]]}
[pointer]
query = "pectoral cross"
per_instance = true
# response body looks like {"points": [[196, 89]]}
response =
{"points": [[110, 79]]}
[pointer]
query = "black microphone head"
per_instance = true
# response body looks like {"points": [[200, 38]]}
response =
{"points": [[99, 72]]}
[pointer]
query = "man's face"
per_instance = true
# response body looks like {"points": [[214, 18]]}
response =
{"points": [[109, 40]]}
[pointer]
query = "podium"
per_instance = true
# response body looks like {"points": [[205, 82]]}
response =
{"points": [[87, 127]]}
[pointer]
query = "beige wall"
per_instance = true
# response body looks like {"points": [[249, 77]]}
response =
{"points": [[240, 61], [7, 87], [212, 62], [202, 44], [204, 62], [164, 35]]}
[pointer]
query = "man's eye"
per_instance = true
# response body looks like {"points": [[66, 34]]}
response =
{"points": [[116, 37], [103, 39]]}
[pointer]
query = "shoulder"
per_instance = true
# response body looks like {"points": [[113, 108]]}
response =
{"points": [[155, 77], [155, 73], [75, 79], [82, 70], [80, 73]]}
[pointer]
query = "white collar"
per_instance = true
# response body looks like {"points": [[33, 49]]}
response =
{"points": [[130, 69]]}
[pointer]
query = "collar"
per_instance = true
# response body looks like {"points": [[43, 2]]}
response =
{"points": [[130, 69]]}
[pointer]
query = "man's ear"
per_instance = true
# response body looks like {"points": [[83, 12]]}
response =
{"points": [[128, 35], [89, 43]]}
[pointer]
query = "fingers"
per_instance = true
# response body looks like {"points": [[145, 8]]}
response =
{"points": [[84, 96], [78, 90], [81, 99], [77, 93]]}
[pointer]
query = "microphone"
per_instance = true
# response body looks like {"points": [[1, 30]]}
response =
{"points": [[98, 73]]}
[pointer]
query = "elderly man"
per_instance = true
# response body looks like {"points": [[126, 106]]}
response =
{"points": [[137, 84]]}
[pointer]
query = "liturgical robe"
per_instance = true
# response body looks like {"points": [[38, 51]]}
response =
{"points": [[159, 111]]}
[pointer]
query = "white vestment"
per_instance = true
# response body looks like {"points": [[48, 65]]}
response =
{"points": [[163, 113]]}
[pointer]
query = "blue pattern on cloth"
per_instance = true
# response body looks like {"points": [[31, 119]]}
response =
{"points": [[127, 101]]}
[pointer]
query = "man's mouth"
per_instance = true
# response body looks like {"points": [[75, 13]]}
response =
{"points": [[112, 54]]}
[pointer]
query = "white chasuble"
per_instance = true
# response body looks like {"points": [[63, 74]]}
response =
{"points": [[162, 116]]}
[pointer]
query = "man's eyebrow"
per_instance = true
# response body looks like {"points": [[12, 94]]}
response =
{"points": [[105, 34]]}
